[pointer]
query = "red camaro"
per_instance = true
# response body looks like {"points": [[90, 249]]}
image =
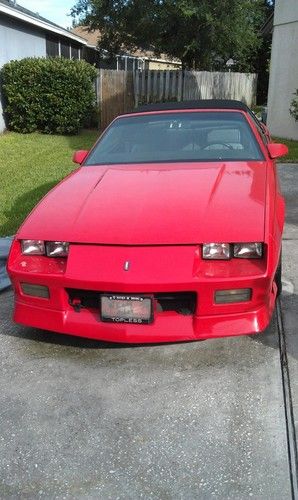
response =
{"points": [[169, 230]]}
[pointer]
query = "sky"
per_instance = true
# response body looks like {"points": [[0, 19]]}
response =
{"points": [[53, 10]]}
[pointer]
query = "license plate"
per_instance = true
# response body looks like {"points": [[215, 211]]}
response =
{"points": [[126, 309]]}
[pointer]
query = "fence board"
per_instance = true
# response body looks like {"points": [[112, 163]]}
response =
{"points": [[179, 86], [143, 74], [174, 83], [149, 86], [136, 82], [161, 85], [167, 85], [154, 92]]}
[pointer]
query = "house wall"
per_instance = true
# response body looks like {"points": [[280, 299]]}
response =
{"points": [[17, 40], [283, 70], [160, 65]]}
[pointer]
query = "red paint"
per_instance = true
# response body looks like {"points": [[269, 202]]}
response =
{"points": [[156, 216], [277, 150], [154, 205], [79, 156]]}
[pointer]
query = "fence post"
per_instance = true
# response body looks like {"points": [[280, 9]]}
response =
{"points": [[143, 84], [136, 77], [167, 85], [254, 88], [96, 88], [180, 84], [154, 90], [100, 77], [149, 86], [99, 95], [160, 86]]}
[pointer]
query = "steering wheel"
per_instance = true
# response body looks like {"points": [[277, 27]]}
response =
{"points": [[217, 143]]}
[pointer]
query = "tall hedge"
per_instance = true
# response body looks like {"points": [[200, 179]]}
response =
{"points": [[52, 95]]}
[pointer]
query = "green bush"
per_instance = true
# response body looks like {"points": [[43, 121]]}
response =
{"points": [[294, 106], [53, 95]]}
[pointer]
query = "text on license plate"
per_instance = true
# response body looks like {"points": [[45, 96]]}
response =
{"points": [[126, 309]]}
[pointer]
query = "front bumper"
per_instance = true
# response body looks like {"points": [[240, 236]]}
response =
{"points": [[152, 270]]}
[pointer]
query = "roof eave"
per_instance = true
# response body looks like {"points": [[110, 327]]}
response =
{"points": [[10, 11]]}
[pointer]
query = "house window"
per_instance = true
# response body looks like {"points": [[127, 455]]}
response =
{"points": [[74, 52], [65, 50], [52, 47]]}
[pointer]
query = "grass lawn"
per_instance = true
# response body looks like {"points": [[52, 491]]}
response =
{"points": [[31, 164]]}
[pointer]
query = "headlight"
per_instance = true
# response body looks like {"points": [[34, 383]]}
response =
{"points": [[219, 251], [224, 251], [248, 250], [49, 248], [57, 248], [33, 247]]}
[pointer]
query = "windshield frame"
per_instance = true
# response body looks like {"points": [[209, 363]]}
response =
{"points": [[249, 122]]}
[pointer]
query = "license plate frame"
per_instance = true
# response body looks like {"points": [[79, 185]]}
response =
{"points": [[108, 308]]}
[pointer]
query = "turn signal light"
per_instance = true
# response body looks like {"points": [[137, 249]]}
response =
{"points": [[35, 290], [230, 296]]}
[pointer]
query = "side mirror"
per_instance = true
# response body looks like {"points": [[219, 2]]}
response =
{"points": [[277, 150], [79, 156]]}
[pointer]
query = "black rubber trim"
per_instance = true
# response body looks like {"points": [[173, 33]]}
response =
{"points": [[199, 104]]}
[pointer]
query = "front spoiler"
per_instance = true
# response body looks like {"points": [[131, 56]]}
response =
{"points": [[166, 328]]}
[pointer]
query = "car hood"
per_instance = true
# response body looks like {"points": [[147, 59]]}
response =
{"points": [[154, 205]]}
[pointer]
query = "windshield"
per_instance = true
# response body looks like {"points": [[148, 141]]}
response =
{"points": [[170, 137]]}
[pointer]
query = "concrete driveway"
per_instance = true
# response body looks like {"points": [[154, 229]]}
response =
{"points": [[214, 419]]}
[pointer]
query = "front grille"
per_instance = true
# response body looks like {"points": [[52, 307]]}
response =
{"points": [[179, 302]]}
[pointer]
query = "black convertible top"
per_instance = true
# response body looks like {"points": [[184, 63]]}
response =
{"points": [[200, 104]]}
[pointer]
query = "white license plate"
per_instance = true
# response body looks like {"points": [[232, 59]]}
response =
{"points": [[134, 309]]}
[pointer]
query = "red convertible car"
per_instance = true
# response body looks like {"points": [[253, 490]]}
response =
{"points": [[169, 230]]}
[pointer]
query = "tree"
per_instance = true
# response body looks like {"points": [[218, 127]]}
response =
{"points": [[204, 34], [260, 62]]}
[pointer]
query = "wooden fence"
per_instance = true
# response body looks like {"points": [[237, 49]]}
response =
{"points": [[115, 94], [215, 85], [120, 91], [157, 86]]}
